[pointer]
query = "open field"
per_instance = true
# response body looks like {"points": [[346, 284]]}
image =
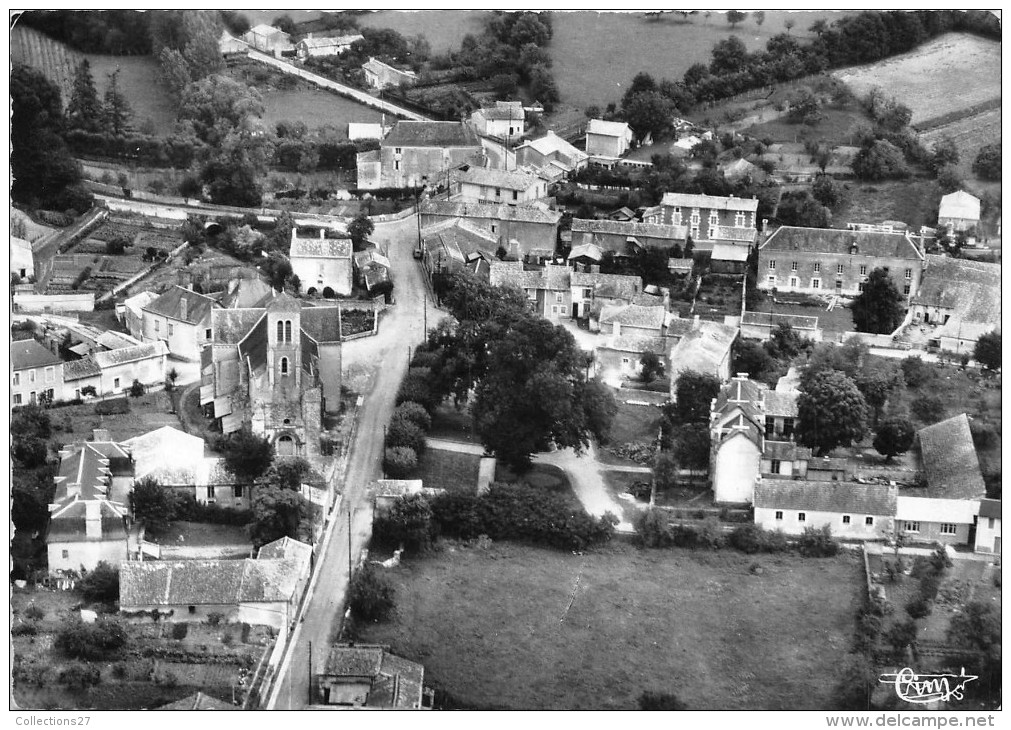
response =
{"points": [[950, 73], [914, 202], [448, 470], [697, 624], [969, 133], [315, 107]]}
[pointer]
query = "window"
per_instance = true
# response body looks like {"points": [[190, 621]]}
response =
{"points": [[816, 283], [50, 394], [911, 527], [284, 366], [396, 164], [838, 286], [31, 376], [793, 281], [817, 268], [237, 491], [50, 374], [905, 289], [739, 220], [695, 218], [396, 150], [712, 232], [558, 298], [772, 265], [494, 228], [287, 331], [498, 192], [171, 329], [787, 427], [157, 325], [624, 361], [948, 528], [869, 521], [802, 517], [210, 491], [66, 554], [115, 383], [207, 334], [909, 273], [516, 195], [863, 270], [714, 219], [845, 519], [990, 523], [17, 399], [838, 268], [772, 280], [774, 468], [280, 331], [779, 514], [17, 378], [192, 609], [793, 266], [860, 286]]}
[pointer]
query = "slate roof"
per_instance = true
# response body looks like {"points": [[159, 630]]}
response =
{"points": [[84, 469], [608, 129], [781, 403], [395, 682], [839, 242], [170, 304], [786, 451], [703, 349], [628, 228], [551, 144], [519, 213], [70, 522], [959, 204], [971, 288], [835, 497], [378, 67], [729, 252], [950, 464], [27, 354], [739, 391], [327, 248], [507, 179], [369, 257], [990, 508], [86, 367], [797, 321], [711, 202], [111, 358], [460, 239], [321, 323], [198, 701], [247, 293], [431, 134], [114, 340], [634, 315], [637, 344], [504, 110], [511, 273], [614, 286]]}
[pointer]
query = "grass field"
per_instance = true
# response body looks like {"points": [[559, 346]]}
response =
{"points": [[315, 107], [592, 632], [945, 75], [449, 470], [914, 202], [969, 134], [147, 413]]}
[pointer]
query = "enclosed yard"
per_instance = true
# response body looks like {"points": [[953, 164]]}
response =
{"points": [[594, 631], [147, 413], [946, 75], [449, 470]]}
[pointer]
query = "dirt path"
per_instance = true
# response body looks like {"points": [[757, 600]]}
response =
{"points": [[583, 471]]}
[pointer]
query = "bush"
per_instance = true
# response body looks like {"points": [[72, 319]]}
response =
{"points": [[80, 676], [214, 618], [100, 584], [416, 413], [91, 642], [407, 523], [400, 462], [918, 608], [653, 529], [23, 629], [818, 543], [179, 631], [415, 388], [137, 389], [660, 701], [710, 534], [34, 613], [112, 407], [984, 435], [928, 408], [402, 432], [371, 596]]}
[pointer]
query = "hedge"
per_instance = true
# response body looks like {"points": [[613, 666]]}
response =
{"points": [[112, 406]]}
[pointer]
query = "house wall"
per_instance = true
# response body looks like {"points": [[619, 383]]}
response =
{"points": [[319, 272], [506, 129], [988, 536], [957, 224], [181, 613], [764, 332], [274, 614], [618, 242], [28, 384], [86, 553], [931, 532], [184, 340], [529, 235], [820, 273], [611, 365], [490, 194], [701, 220], [734, 469], [150, 371], [415, 166], [791, 525], [553, 305], [956, 344], [728, 267], [599, 144], [930, 314], [787, 469], [54, 302]]}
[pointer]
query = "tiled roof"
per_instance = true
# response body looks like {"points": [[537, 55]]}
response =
{"points": [[70, 522], [431, 134], [734, 233], [321, 323], [971, 288], [950, 464], [198, 701], [587, 250], [990, 508], [207, 582], [711, 202], [111, 358], [959, 204], [170, 304], [608, 129], [729, 252], [840, 242], [835, 497], [509, 180], [637, 344], [460, 239], [615, 286], [230, 326], [378, 67], [30, 354], [628, 228], [354, 661], [551, 278], [703, 349], [551, 144], [284, 549], [739, 391], [330, 248], [139, 301], [634, 315], [781, 403], [86, 367], [519, 213], [797, 321], [114, 340], [786, 451], [504, 110]]}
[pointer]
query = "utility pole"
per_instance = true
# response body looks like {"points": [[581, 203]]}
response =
{"points": [[309, 683], [349, 549], [425, 315]]}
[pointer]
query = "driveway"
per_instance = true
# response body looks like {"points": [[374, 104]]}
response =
{"points": [[584, 472]]}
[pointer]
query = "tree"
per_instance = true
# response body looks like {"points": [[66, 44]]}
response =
{"points": [[751, 358], [694, 395], [399, 462], [277, 513], [665, 469], [789, 24], [650, 366], [402, 432], [416, 413], [805, 108], [831, 412], [153, 504], [987, 164], [202, 50], [735, 16], [649, 112], [116, 110], [91, 642], [943, 154], [729, 56], [901, 635], [407, 523], [876, 386], [246, 455], [84, 110], [826, 191], [285, 24], [691, 446], [100, 583], [894, 437], [660, 701], [360, 229], [174, 72], [880, 160], [217, 105], [976, 627], [759, 17], [371, 596], [277, 268], [288, 473], [987, 351], [542, 87], [879, 307]]}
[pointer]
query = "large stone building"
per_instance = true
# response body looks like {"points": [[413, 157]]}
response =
{"points": [[180, 318], [709, 219], [275, 369], [960, 299], [322, 262], [836, 261], [485, 185], [415, 154]]}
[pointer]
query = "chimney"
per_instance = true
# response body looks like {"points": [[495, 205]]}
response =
{"points": [[183, 307], [765, 223], [696, 323], [93, 519]]}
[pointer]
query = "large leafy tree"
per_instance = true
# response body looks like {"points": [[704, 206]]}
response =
{"points": [[695, 393], [217, 105], [987, 350], [247, 455], [879, 307], [649, 112], [894, 437], [277, 513], [84, 110], [360, 228], [153, 504], [831, 412]]}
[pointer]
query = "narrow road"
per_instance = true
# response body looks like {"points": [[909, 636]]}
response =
{"points": [[587, 482], [379, 363]]}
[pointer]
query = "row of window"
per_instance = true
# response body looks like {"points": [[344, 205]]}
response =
{"points": [[171, 327], [846, 519], [49, 376], [794, 282], [947, 528], [284, 330], [839, 268], [740, 219], [33, 397]]}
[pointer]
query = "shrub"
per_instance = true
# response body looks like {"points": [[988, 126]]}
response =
{"points": [[244, 630], [24, 629], [660, 701], [119, 670], [918, 608], [179, 631], [915, 371], [91, 642], [408, 522], [112, 407], [747, 539], [214, 618], [415, 388], [402, 432], [80, 676], [928, 408], [818, 542], [984, 435], [100, 584], [137, 389], [34, 613], [371, 596], [710, 534], [901, 635], [228, 639], [416, 413], [653, 529]]}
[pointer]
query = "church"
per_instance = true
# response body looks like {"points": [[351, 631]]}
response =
{"points": [[275, 369]]}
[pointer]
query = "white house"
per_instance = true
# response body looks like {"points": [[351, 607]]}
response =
{"points": [[268, 39], [22, 259], [379, 75], [322, 263], [988, 527], [113, 371], [850, 510], [607, 139], [181, 318], [958, 212], [364, 130], [310, 47], [551, 155], [504, 120], [484, 185]]}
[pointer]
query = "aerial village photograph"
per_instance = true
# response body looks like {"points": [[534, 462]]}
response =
{"points": [[493, 360]]}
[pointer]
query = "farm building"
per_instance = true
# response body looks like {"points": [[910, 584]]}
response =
{"points": [[958, 212], [505, 120], [620, 358], [112, 372], [607, 141], [379, 75], [368, 675], [415, 154], [709, 218], [729, 258], [267, 39], [522, 230], [961, 298], [483, 185], [761, 325], [551, 155], [36, 374], [851, 510], [310, 47], [625, 237], [835, 261], [322, 262]]}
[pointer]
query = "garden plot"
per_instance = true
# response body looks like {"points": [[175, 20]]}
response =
{"points": [[952, 73], [969, 135]]}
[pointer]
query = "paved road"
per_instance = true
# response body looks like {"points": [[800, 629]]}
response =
{"points": [[377, 364]]}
